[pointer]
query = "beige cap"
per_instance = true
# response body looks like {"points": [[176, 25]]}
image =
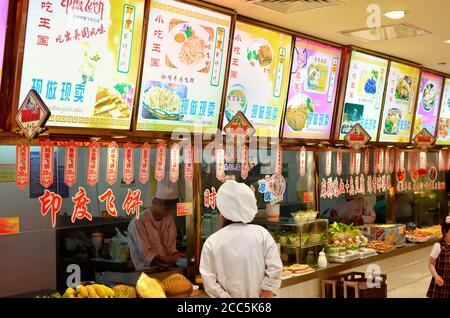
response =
{"points": [[236, 202], [166, 190]]}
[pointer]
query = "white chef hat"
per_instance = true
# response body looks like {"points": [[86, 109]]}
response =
{"points": [[166, 190], [236, 202]]}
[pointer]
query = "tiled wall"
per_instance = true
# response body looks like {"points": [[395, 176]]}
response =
{"points": [[407, 277]]}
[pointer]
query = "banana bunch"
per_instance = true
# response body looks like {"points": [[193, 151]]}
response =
{"points": [[89, 291]]}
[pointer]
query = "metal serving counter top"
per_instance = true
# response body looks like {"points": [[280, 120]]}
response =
{"points": [[334, 269]]}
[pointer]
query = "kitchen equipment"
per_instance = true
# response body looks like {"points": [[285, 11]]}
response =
{"points": [[322, 262]]}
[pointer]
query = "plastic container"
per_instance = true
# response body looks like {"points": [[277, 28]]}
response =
{"points": [[273, 212]]}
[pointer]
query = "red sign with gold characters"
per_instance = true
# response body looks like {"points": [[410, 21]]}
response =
{"points": [[70, 166], [47, 162], [424, 139], [174, 173], [357, 137], [32, 115], [112, 163], [93, 163], [128, 163], [22, 166], [189, 162], [144, 163], [160, 165], [50, 201]]}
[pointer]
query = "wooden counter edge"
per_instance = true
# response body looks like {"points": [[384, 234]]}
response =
{"points": [[334, 269]]}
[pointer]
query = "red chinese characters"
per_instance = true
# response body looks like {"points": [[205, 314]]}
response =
{"points": [[210, 198], [279, 161], [112, 163], [160, 162], [47, 161], [93, 163], [174, 163], [189, 162], [220, 164], [70, 166], [80, 210], [132, 202], [244, 163], [128, 163], [22, 166], [352, 163], [109, 197], [302, 162], [50, 201], [94, 7], [144, 163]]}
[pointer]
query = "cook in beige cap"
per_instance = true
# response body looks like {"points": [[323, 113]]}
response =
{"points": [[241, 260]]}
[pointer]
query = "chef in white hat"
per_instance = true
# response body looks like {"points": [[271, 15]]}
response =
{"points": [[241, 260], [152, 238]]}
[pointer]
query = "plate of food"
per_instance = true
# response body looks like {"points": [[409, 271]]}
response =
{"points": [[260, 53], [391, 124], [418, 236], [429, 97], [403, 88], [297, 111], [236, 101], [189, 47], [163, 101]]}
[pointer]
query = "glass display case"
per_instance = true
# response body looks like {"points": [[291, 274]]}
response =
{"points": [[299, 242]]}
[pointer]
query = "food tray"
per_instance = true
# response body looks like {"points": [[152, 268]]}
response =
{"points": [[390, 249], [367, 252], [344, 258], [414, 239]]}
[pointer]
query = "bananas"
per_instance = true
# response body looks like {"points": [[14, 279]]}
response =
{"points": [[90, 291]]}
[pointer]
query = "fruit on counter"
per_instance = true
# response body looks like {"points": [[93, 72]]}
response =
{"points": [[177, 286], [70, 293], [148, 287], [91, 292], [124, 291], [54, 295], [82, 290]]}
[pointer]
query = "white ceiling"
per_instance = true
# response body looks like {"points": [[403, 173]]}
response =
{"points": [[326, 23]]}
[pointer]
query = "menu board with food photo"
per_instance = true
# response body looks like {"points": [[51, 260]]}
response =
{"points": [[403, 82], [312, 90], [83, 58], [184, 66], [443, 133], [3, 21], [428, 103], [258, 79], [364, 94]]}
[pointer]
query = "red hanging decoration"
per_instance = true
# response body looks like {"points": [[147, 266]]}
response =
{"points": [[71, 164], [160, 162], [112, 163], [93, 164], [189, 162], [244, 163], [339, 163], [47, 164], [144, 163], [22, 166], [128, 163], [302, 162], [174, 163]]}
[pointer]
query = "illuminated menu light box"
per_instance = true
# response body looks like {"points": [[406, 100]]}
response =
{"points": [[184, 67], [3, 22], [428, 103], [312, 90], [364, 94], [400, 99], [443, 131], [83, 60], [258, 78]]}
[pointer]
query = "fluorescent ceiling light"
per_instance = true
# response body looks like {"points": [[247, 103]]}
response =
{"points": [[447, 41], [395, 15]]}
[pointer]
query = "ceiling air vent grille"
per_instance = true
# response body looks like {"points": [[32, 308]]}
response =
{"points": [[291, 6]]}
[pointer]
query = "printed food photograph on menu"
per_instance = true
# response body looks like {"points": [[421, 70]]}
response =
{"points": [[258, 78], [443, 133], [399, 103], [98, 85], [312, 90], [364, 93], [428, 103], [184, 66]]}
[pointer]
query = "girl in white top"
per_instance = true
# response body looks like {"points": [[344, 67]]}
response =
{"points": [[240, 260]]}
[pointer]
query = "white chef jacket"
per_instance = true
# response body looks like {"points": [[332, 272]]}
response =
{"points": [[239, 261]]}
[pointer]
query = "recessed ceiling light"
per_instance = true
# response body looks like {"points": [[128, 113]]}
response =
{"points": [[395, 15], [447, 41]]}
